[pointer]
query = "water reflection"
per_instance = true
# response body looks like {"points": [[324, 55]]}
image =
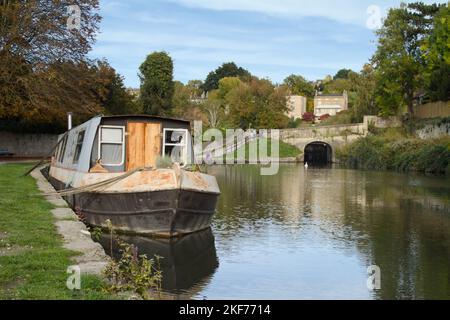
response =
{"points": [[187, 263], [353, 219], [311, 234]]}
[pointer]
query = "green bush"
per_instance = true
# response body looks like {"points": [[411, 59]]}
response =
{"points": [[402, 154]]}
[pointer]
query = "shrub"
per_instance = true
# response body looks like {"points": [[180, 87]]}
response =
{"points": [[132, 272], [308, 117], [401, 154]]}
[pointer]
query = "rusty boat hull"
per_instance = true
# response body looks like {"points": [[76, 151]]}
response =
{"points": [[148, 203]]}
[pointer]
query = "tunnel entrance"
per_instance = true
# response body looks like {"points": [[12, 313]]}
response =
{"points": [[318, 154]]}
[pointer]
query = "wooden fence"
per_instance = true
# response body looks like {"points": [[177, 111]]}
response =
{"points": [[433, 110]]}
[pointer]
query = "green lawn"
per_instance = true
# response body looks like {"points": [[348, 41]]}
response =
{"points": [[285, 151], [33, 262]]}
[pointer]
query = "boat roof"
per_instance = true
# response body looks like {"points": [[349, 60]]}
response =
{"points": [[144, 116]]}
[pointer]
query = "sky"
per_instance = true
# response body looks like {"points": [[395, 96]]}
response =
{"points": [[271, 38]]}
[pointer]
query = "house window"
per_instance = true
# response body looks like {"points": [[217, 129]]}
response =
{"points": [[111, 145], [79, 145], [175, 145]]}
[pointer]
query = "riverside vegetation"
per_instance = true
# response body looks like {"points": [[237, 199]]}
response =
{"points": [[398, 149], [132, 272]]}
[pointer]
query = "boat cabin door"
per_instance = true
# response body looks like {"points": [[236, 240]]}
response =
{"points": [[144, 144]]}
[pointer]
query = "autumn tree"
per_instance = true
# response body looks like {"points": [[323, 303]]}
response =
{"points": [[42, 61], [195, 89], [258, 104], [157, 86]]}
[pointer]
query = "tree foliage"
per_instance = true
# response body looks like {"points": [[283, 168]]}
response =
{"points": [[225, 70], [363, 84], [399, 58], [116, 99], [257, 104], [157, 86], [436, 50], [44, 71], [342, 74], [298, 85]]}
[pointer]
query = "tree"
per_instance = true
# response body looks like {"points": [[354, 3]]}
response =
{"points": [[43, 63], [213, 109], [157, 86], [437, 56], [195, 88], [257, 104], [398, 59], [338, 86], [225, 70], [117, 100], [342, 74], [364, 85], [38, 32], [299, 86], [226, 85], [181, 98]]}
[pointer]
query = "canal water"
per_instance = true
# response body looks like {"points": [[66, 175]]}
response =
{"points": [[312, 234]]}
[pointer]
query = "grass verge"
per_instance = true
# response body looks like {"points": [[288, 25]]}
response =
{"points": [[33, 263], [285, 151]]}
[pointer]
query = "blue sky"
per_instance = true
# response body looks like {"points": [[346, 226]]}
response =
{"points": [[270, 38]]}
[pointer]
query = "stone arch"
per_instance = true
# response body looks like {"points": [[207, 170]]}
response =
{"points": [[318, 153]]}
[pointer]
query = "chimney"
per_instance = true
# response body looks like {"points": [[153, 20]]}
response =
{"points": [[69, 121]]}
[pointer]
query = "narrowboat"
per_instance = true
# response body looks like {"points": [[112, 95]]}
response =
{"points": [[137, 172]]}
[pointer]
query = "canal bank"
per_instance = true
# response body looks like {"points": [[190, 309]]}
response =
{"points": [[39, 239], [395, 149]]}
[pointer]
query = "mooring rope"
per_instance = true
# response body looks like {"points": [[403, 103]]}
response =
{"points": [[97, 186]]}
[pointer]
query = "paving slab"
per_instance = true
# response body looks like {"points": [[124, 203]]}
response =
{"points": [[64, 214], [92, 258]]}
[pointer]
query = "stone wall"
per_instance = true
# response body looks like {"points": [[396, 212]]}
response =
{"points": [[319, 132], [433, 131], [28, 145], [382, 123]]}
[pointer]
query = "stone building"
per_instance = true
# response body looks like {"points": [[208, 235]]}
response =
{"points": [[330, 103], [296, 106]]}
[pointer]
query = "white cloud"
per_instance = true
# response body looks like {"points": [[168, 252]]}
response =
{"points": [[347, 11]]}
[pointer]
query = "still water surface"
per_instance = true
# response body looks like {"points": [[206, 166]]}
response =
{"points": [[312, 234]]}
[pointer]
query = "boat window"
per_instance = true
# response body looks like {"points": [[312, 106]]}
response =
{"points": [[78, 147], [175, 145], [63, 150], [111, 142], [57, 151]]}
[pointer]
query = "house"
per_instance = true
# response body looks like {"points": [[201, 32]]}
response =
{"points": [[296, 106], [330, 104]]}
